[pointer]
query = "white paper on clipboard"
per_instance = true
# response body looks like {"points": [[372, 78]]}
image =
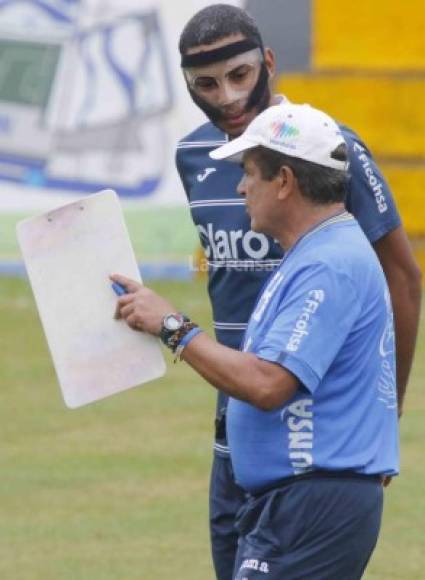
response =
{"points": [[69, 254]]}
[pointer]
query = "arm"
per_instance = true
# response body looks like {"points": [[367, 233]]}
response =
{"points": [[272, 376], [241, 375], [404, 281]]}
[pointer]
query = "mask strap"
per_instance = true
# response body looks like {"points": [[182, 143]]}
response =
{"points": [[207, 57]]}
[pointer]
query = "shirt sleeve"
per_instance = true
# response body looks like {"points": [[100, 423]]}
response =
{"points": [[315, 316], [369, 197]]}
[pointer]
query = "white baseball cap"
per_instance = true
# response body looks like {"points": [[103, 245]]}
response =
{"points": [[296, 130]]}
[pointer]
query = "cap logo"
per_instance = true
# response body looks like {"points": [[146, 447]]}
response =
{"points": [[282, 130]]}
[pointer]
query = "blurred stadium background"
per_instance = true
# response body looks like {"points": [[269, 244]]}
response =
{"points": [[118, 490]]}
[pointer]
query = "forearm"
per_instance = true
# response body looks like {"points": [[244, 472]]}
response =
{"points": [[240, 375], [406, 304]]}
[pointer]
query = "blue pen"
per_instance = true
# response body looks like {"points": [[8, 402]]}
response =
{"points": [[118, 289]]}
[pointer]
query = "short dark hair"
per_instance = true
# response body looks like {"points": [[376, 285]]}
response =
{"points": [[216, 22], [321, 185]]}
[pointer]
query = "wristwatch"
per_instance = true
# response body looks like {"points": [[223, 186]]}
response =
{"points": [[171, 323]]}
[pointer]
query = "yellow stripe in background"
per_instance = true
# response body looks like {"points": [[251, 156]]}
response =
{"points": [[387, 112], [368, 72], [408, 186], [379, 34]]}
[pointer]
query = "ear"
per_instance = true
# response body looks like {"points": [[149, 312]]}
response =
{"points": [[286, 183], [270, 62]]}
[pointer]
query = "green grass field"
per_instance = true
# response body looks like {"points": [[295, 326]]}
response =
{"points": [[117, 490]]}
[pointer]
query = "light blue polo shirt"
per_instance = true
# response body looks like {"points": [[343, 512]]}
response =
{"points": [[325, 315]]}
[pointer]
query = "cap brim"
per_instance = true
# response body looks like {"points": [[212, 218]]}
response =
{"points": [[233, 150]]}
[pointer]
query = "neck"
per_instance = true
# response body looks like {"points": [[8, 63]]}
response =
{"points": [[275, 100], [302, 220]]}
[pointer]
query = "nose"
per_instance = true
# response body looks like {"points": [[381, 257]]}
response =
{"points": [[227, 95], [241, 187]]}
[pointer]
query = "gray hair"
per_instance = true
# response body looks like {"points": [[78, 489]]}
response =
{"points": [[321, 185]]}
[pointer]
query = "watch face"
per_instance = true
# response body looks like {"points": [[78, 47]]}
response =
{"points": [[173, 321]]}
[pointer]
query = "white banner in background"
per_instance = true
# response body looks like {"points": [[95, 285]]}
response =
{"points": [[91, 96]]}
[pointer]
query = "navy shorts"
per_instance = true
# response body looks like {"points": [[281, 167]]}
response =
{"points": [[324, 528]]}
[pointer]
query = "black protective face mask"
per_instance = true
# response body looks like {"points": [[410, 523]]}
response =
{"points": [[260, 95], [259, 98]]}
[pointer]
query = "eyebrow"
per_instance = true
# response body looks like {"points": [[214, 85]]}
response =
{"points": [[211, 76]]}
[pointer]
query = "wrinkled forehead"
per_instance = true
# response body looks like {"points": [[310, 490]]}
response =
{"points": [[222, 67]]}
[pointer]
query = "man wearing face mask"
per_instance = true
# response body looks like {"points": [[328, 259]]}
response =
{"points": [[228, 73]]}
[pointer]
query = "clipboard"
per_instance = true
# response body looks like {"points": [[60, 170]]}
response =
{"points": [[69, 254]]}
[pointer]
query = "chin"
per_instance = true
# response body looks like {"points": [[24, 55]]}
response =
{"points": [[255, 227], [233, 131], [259, 228]]}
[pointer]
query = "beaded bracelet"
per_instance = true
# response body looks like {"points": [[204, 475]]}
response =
{"points": [[185, 341], [176, 337]]}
